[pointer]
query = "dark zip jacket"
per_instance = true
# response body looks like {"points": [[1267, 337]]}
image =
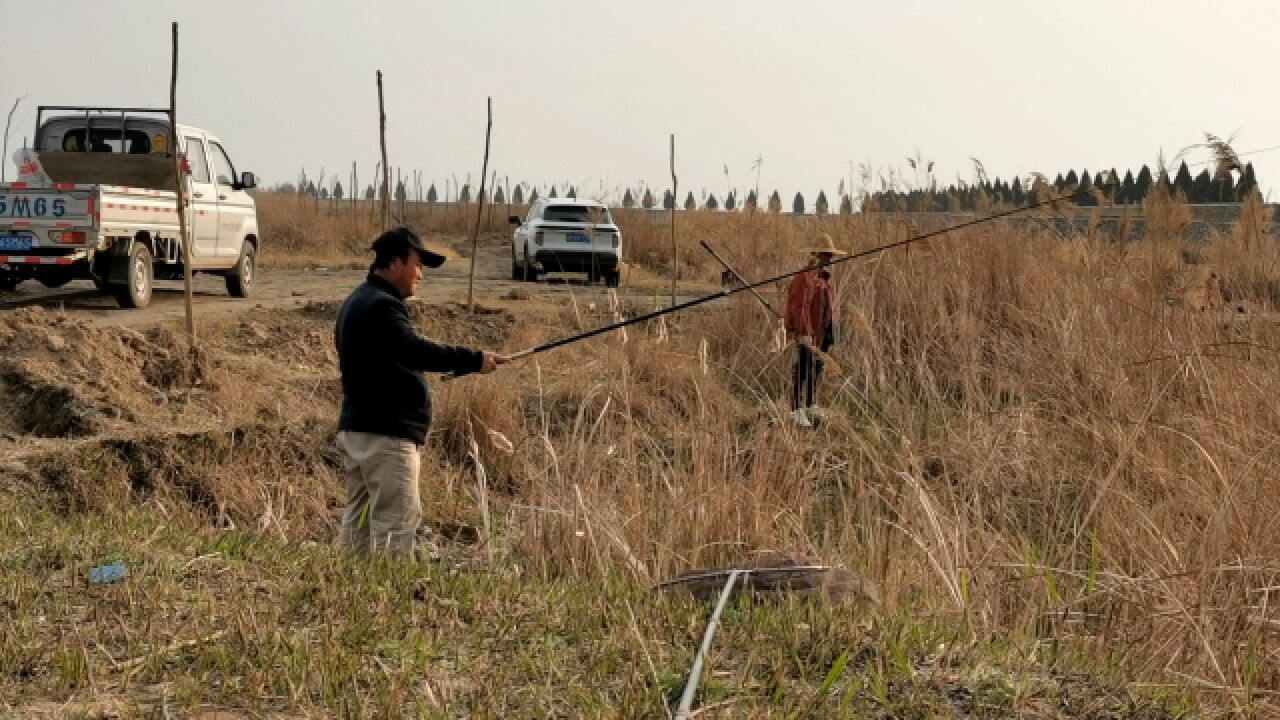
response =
{"points": [[382, 358]]}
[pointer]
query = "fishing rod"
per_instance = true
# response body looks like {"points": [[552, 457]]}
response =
{"points": [[678, 307]]}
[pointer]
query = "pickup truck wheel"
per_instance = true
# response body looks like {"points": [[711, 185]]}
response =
{"points": [[240, 281], [136, 292], [515, 267], [55, 281], [101, 283]]}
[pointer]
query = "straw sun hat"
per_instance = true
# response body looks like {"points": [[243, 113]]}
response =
{"points": [[825, 245]]}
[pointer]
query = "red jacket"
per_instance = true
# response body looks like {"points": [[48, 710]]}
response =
{"points": [[809, 297]]}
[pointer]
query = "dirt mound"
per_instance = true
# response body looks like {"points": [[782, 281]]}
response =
{"points": [[444, 322], [228, 475], [63, 377]]}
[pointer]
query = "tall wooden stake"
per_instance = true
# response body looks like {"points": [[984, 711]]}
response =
{"points": [[675, 258], [180, 179], [386, 171], [475, 232]]}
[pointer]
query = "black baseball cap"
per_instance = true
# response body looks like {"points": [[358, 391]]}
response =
{"points": [[401, 238]]}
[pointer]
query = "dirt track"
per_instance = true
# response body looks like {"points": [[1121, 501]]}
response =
{"points": [[293, 287]]}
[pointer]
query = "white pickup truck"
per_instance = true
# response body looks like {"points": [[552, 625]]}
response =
{"points": [[95, 200]]}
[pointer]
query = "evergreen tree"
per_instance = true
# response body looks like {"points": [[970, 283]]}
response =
{"points": [[499, 198], [1141, 186], [1224, 189], [1072, 180], [846, 205], [1183, 183], [552, 195], [533, 196], [573, 193], [797, 204], [1124, 195], [712, 204], [752, 202], [400, 193], [689, 202], [1083, 197], [1248, 182], [730, 202], [1202, 189], [1059, 183], [1111, 186], [368, 193], [433, 197], [337, 190], [1015, 192], [820, 205], [324, 193], [464, 197], [517, 195], [311, 187], [628, 202], [668, 200], [646, 201], [775, 203]]}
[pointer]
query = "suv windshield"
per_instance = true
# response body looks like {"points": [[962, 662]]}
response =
{"points": [[576, 214]]}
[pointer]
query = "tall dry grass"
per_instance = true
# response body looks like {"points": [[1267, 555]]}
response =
{"points": [[1036, 436], [305, 231], [1039, 438]]}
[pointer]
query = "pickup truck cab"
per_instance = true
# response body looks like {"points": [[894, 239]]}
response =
{"points": [[95, 199], [566, 236]]}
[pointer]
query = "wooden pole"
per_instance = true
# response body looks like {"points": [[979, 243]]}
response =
{"points": [[181, 187], [675, 258], [4, 154], [493, 184], [475, 231], [386, 171]]}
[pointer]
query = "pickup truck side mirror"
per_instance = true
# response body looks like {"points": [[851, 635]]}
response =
{"points": [[248, 180], [513, 219]]}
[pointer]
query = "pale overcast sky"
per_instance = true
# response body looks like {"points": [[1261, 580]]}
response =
{"points": [[587, 92]]}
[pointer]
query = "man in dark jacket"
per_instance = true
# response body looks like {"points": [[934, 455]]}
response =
{"points": [[386, 405]]}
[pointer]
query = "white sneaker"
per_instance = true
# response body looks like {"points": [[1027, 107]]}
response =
{"points": [[801, 418], [817, 413]]}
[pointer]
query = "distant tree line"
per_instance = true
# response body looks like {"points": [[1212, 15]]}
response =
{"points": [[1085, 189]]}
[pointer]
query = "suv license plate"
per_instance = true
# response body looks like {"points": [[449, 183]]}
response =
{"points": [[576, 237], [15, 242]]}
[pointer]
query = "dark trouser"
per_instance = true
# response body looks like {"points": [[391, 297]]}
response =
{"points": [[808, 373]]}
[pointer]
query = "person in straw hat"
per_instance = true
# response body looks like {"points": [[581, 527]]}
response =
{"points": [[810, 322]]}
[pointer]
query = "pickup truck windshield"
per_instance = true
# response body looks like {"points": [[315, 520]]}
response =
{"points": [[576, 214]]}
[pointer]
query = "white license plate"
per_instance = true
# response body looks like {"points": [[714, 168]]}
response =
{"points": [[9, 243]]}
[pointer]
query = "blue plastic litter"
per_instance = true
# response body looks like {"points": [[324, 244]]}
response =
{"points": [[108, 573]]}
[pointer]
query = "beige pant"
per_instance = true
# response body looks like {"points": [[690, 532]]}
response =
{"points": [[383, 511]]}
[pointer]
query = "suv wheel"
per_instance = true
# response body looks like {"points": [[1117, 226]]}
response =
{"points": [[530, 275], [136, 292], [240, 281]]}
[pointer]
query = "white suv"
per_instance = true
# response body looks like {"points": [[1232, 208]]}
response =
{"points": [[566, 235]]}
